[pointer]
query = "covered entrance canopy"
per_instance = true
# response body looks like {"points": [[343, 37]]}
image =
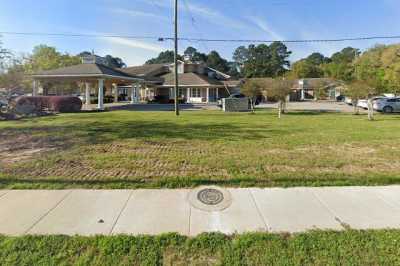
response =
{"points": [[95, 75]]}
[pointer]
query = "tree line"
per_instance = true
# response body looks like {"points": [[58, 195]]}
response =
{"points": [[378, 67], [15, 70], [248, 62]]}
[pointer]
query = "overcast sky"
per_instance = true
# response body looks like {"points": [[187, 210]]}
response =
{"points": [[226, 19]]}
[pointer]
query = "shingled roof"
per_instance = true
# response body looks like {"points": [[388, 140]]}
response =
{"points": [[86, 70], [146, 70], [191, 79]]}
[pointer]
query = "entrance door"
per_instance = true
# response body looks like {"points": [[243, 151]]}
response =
{"points": [[212, 95]]}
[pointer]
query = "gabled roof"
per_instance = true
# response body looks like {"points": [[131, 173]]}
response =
{"points": [[145, 70], [86, 70], [191, 79]]}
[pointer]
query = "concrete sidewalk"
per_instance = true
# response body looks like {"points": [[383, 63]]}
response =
{"points": [[89, 212]]}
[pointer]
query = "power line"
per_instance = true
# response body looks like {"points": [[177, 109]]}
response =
{"points": [[193, 21], [291, 41], [77, 35], [163, 38]]}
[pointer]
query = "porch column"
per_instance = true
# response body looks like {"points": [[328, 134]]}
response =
{"points": [[100, 98], [302, 97], [114, 89], [34, 88], [187, 95], [216, 93], [134, 93], [87, 93], [208, 95]]}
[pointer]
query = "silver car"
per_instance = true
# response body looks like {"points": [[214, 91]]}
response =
{"points": [[387, 105]]}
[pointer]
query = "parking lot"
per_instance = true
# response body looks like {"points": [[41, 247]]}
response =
{"points": [[321, 106]]}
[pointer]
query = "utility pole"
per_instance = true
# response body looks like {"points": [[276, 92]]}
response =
{"points": [[176, 60]]}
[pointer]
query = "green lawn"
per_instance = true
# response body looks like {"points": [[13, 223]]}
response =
{"points": [[313, 248], [129, 149]]}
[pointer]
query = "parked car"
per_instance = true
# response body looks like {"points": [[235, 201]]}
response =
{"points": [[364, 103], [348, 101], [387, 105], [340, 98]]}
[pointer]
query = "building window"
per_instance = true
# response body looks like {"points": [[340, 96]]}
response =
{"points": [[182, 93], [195, 93]]}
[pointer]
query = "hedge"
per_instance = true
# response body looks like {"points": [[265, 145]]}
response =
{"points": [[37, 104]]}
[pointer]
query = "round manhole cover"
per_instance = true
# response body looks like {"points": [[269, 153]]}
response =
{"points": [[210, 198]]}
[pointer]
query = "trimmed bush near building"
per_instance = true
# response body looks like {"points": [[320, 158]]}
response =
{"points": [[37, 104]]}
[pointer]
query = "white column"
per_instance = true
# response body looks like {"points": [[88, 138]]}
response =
{"points": [[114, 88], [302, 95], [87, 93], [208, 95], [34, 88], [188, 95], [100, 97], [216, 93], [133, 93]]}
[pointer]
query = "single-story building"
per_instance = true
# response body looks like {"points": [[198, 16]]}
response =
{"points": [[197, 82], [304, 89], [148, 83]]}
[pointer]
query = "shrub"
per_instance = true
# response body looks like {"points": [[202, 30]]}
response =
{"points": [[38, 104]]}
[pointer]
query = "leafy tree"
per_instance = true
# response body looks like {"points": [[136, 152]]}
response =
{"points": [[382, 65], [110, 61], [190, 51], [114, 62], [263, 60], [45, 57], [344, 72], [359, 89], [164, 57], [234, 70], [214, 60], [241, 55], [4, 56], [195, 55], [14, 78], [253, 89], [304, 69], [345, 56], [279, 58], [341, 66], [317, 59], [280, 89]]}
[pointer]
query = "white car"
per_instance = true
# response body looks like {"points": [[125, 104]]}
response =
{"points": [[387, 105], [348, 101], [364, 103]]}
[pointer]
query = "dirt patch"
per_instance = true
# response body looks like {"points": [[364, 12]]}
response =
{"points": [[23, 147], [124, 160]]}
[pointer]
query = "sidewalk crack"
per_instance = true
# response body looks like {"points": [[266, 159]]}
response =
{"points": [[48, 212], [264, 219], [335, 216], [120, 213]]}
